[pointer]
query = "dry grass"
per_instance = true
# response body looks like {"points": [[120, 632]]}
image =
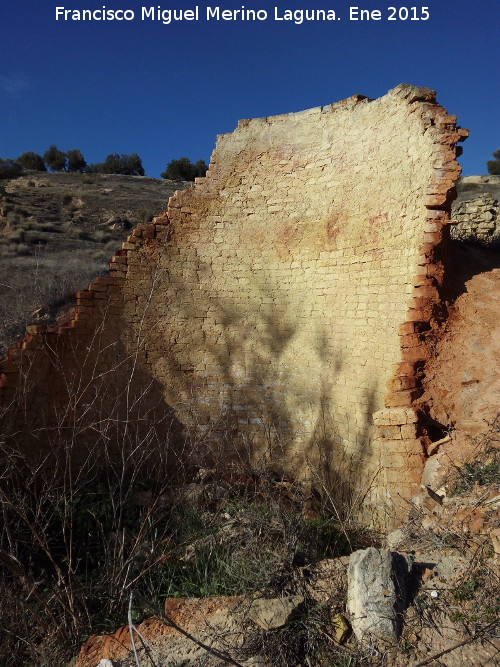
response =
{"points": [[81, 527], [72, 550]]}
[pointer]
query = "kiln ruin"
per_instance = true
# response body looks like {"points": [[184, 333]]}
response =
{"points": [[283, 307]]}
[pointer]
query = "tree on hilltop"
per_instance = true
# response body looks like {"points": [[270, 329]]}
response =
{"points": [[184, 170], [76, 161], [114, 163], [128, 165], [494, 165], [30, 160], [201, 168], [55, 159], [134, 165]]}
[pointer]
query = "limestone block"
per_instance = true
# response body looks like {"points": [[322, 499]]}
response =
{"points": [[376, 594]]}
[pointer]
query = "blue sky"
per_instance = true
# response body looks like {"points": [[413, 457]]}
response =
{"points": [[165, 91]]}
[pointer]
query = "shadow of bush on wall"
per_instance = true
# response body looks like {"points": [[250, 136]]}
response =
{"points": [[250, 404]]}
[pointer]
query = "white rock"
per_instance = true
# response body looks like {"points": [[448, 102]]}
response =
{"points": [[376, 593]]}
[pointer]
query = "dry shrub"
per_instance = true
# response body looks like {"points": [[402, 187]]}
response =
{"points": [[102, 511], [113, 500]]}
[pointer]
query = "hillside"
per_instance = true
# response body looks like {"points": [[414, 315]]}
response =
{"points": [[58, 232]]}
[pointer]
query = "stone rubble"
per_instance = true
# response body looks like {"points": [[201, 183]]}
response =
{"points": [[478, 221]]}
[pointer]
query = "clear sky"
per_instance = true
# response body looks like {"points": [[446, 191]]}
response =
{"points": [[165, 90]]}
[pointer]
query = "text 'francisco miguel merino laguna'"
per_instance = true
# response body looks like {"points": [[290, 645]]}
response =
{"points": [[167, 16], [298, 16]]}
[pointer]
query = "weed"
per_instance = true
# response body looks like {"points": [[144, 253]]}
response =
{"points": [[50, 227], [485, 467], [478, 472], [17, 236], [22, 249], [41, 280], [466, 590], [322, 537]]}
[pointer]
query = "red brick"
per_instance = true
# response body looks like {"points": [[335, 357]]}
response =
{"points": [[406, 328], [432, 237], [420, 303], [415, 353], [422, 327], [434, 200], [428, 249], [410, 340], [427, 291], [36, 328], [416, 315], [404, 368], [401, 383], [421, 279], [109, 281], [116, 273], [398, 399], [432, 227]]}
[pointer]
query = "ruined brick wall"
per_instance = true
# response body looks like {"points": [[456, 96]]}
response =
{"points": [[280, 296]]}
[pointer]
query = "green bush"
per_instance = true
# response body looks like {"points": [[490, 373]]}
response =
{"points": [[478, 472], [128, 165], [76, 161]]}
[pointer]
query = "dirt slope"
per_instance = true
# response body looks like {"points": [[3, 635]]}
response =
{"points": [[463, 380]]}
